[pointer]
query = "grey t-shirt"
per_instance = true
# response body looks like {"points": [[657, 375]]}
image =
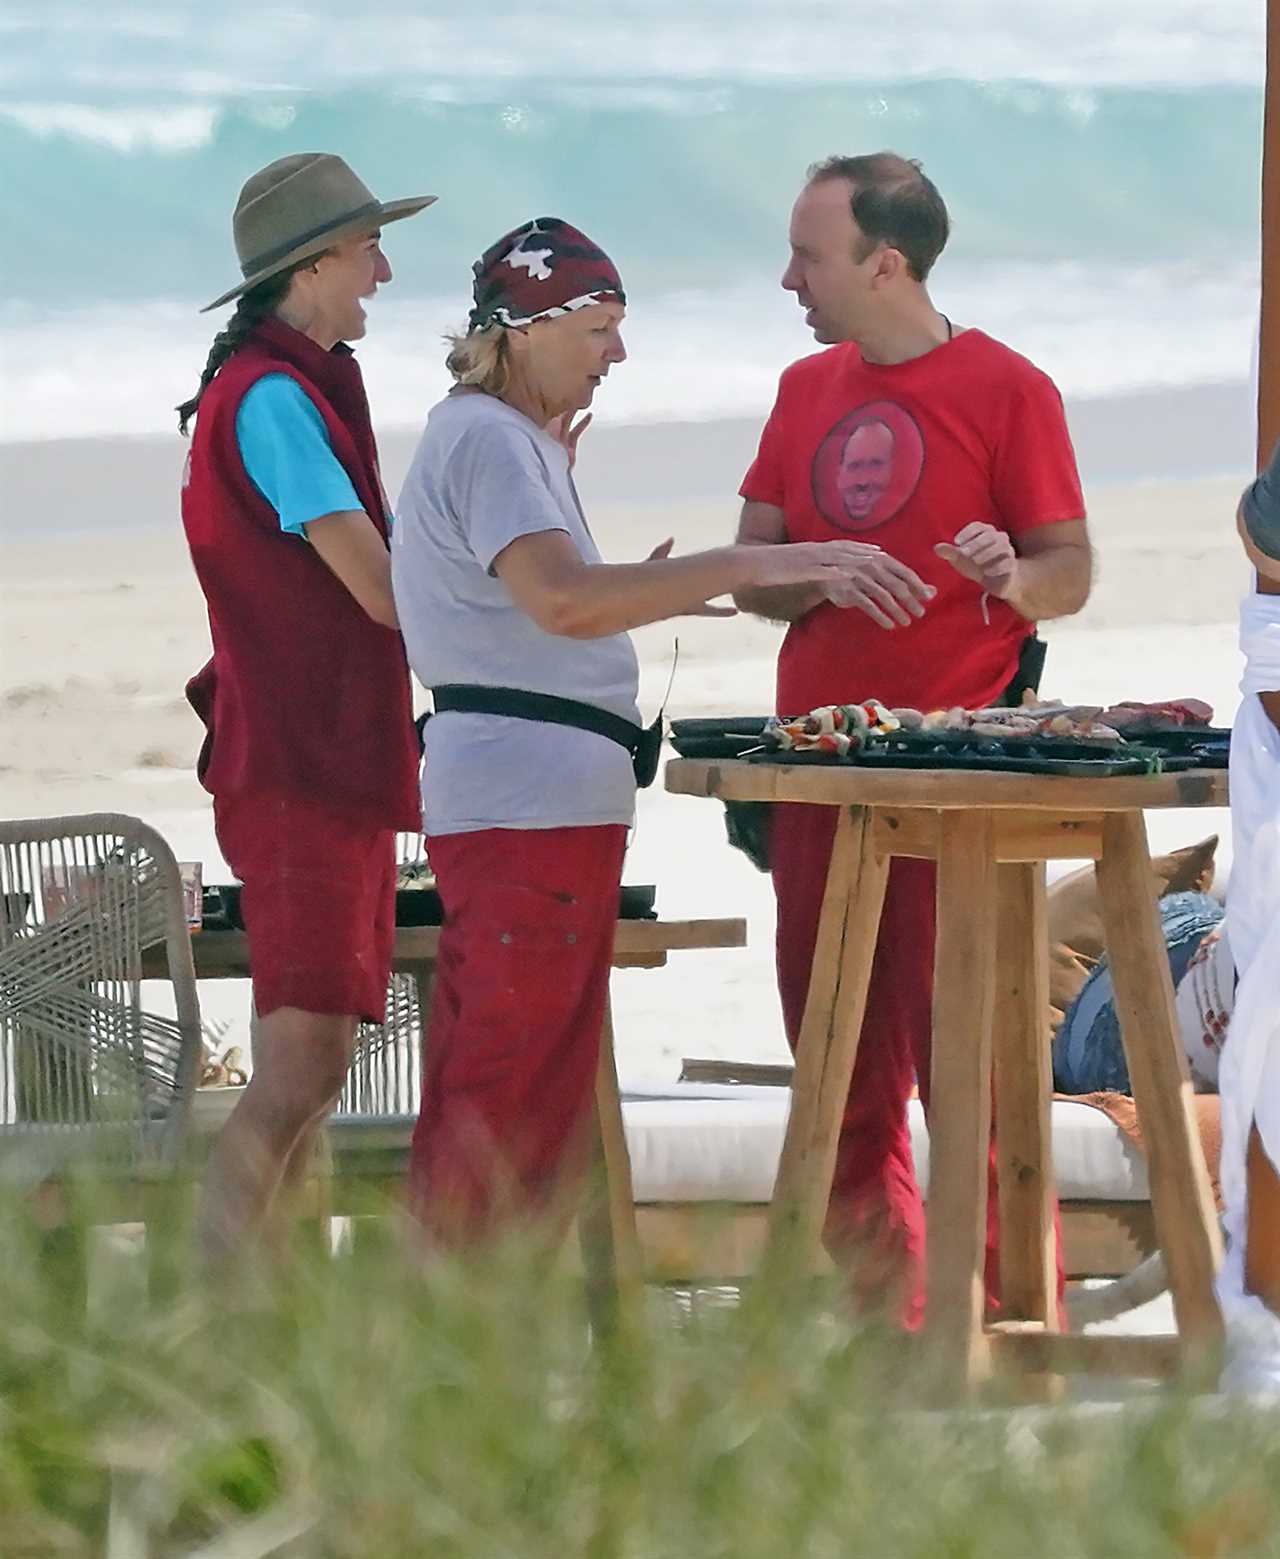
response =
{"points": [[484, 475], [1262, 508]]}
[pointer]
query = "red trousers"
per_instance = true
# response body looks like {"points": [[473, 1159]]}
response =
{"points": [[875, 1223], [522, 980]]}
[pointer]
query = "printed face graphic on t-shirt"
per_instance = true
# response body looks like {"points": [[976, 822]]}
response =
{"points": [[866, 469], [867, 466]]}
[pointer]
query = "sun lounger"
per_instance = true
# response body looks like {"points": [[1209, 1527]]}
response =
{"points": [[703, 1160]]}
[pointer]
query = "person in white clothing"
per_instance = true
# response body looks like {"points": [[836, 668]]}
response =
{"points": [[1249, 1076]]}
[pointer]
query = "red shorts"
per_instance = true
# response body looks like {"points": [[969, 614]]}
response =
{"points": [[318, 904], [522, 983]]}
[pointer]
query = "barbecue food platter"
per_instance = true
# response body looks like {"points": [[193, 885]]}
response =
{"points": [[1034, 738]]}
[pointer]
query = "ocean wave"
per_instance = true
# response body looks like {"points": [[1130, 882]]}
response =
{"points": [[182, 127], [681, 181], [261, 46], [695, 354]]}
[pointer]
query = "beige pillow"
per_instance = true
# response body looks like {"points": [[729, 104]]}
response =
{"points": [[1076, 938]]}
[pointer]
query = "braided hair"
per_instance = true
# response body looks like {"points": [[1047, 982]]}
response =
{"points": [[254, 306]]}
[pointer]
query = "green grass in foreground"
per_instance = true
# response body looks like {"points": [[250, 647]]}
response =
{"points": [[367, 1409]]}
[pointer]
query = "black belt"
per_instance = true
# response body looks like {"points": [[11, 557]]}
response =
{"points": [[644, 743]]}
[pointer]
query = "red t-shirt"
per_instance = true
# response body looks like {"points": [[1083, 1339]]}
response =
{"points": [[905, 455]]}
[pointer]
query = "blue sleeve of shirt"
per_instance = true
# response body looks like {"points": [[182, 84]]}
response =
{"points": [[286, 450]]}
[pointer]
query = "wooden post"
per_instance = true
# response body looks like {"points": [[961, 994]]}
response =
{"points": [[960, 1112], [1269, 340], [847, 932], [607, 1223], [1023, 1067], [1024, 1086], [1181, 1199]]}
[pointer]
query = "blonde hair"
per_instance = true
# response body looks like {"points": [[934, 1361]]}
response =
{"points": [[481, 359]]}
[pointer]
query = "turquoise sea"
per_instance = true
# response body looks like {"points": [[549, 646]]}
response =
{"points": [[1100, 161]]}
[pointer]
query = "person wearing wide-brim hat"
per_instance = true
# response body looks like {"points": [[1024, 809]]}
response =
{"points": [[310, 753]]}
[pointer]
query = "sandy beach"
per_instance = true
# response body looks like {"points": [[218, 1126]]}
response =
{"points": [[102, 622]]}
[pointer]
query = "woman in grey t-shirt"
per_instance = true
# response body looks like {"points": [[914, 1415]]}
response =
{"points": [[505, 605]]}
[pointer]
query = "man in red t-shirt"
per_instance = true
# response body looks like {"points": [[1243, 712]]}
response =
{"points": [[950, 452]]}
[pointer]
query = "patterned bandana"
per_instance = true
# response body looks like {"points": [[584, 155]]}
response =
{"points": [[536, 271]]}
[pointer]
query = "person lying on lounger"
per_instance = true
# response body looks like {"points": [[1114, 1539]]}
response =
{"points": [[1088, 1054]]}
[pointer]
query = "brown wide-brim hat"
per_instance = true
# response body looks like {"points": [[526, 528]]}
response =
{"points": [[300, 206]]}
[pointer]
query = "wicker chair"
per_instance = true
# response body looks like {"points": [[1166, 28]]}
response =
{"points": [[84, 1070]]}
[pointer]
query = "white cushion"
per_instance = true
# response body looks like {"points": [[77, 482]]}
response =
{"points": [[694, 1150], [709, 1143]]}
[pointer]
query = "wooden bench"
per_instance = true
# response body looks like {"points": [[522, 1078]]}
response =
{"points": [[608, 1223]]}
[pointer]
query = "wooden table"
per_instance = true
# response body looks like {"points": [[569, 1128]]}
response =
{"points": [[639, 944], [990, 835], [611, 1247]]}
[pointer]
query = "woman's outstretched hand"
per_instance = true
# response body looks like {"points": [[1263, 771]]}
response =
{"points": [[704, 608]]}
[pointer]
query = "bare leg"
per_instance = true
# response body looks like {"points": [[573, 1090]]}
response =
{"points": [[1262, 1240], [300, 1063], [281, 1217]]}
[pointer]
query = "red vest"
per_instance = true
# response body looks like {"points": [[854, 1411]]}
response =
{"points": [[305, 695]]}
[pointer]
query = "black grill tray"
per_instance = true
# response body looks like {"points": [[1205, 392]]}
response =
{"points": [[722, 725], [414, 906], [1209, 745], [722, 746], [1167, 733], [1217, 756], [1177, 746], [961, 750], [1072, 768]]}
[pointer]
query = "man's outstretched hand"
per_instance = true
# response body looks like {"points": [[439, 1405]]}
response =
{"points": [[984, 554]]}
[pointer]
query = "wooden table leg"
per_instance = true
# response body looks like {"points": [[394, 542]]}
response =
{"points": [[828, 1047], [1023, 1070], [607, 1225], [960, 1112], [1024, 1087], [1181, 1198]]}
